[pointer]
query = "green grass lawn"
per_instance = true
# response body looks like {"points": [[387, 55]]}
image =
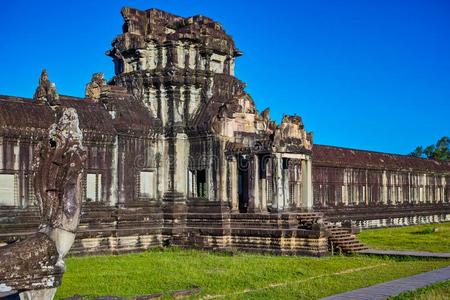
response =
{"points": [[418, 238], [439, 291], [242, 276]]}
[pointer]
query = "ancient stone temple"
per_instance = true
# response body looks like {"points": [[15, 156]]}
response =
{"points": [[177, 153]]}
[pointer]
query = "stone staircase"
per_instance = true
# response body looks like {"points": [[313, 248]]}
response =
{"points": [[342, 239]]}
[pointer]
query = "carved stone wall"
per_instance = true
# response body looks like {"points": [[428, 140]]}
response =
{"points": [[379, 189]]}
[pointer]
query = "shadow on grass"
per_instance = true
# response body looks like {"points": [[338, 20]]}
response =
{"points": [[428, 230]]}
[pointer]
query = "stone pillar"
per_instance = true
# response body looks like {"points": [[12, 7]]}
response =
{"points": [[223, 174], [298, 193], [181, 156], [410, 196], [384, 188], [278, 183], [172, 55], [234, 187], [16, 156], [121, 172], [174, 207], [254, 201], [263, 184], [209, 172], [256, 188], [251, 184], [113, 198], [161, 178], [421, 198], [297, 185], [161, 97], [286, 191], [307, 202], [344, 192]]}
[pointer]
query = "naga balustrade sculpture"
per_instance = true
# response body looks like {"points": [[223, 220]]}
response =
{"points": [[34, 267]]}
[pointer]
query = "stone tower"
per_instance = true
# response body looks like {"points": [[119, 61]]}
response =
{"points": [[181, 69], [171, 62]]}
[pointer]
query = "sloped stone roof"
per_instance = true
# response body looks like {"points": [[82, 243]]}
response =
{"points": [[22, 116], [129, 115], [345, 157], [16, 113]]}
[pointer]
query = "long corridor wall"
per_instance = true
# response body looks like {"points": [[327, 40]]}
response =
{"points": [[379, 189]]}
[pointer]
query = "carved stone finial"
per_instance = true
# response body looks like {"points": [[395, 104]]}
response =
{"points": [[46, 91], [265, 115], [35, 266], [94, 88], [291, 134]]}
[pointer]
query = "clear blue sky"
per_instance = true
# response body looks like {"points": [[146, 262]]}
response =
{"points": [[363, 74]]}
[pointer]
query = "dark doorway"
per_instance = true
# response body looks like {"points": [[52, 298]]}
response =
{"points": [[243, 184], [201, 184]]}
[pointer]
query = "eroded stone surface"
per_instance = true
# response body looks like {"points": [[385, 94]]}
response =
{"points": [[35, 265]]}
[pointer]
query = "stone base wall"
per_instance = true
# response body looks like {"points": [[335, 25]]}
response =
{"points": [[116, 230], [388, 216], [211, 225], [103, 229], [195, 224]]}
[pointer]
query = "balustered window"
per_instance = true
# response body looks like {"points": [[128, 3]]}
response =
{"points": [[147, 184], [92, 187], [9, 189]]}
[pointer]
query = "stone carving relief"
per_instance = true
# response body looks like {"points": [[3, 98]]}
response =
{"points": [[291, 132], [34, 266]]}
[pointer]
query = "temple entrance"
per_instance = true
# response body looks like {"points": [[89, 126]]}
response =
{"points": [[243, 184]]}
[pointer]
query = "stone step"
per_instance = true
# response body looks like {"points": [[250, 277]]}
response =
{"points": [[356, 249], [343, 239], [339, 235], [348, 243]]}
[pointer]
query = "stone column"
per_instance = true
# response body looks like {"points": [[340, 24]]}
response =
{"points": [[307, 202], [174, 207], [223, 174], [113, 198], [209, 173], [298, 195], [410, 197], [286, 192], [278, 183], [161, 174], [180, 164], [421, 197], [234, 187], [297, 187], [263, 187], [384, 188], [121, 172], [254, 201], [172, 54]]}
